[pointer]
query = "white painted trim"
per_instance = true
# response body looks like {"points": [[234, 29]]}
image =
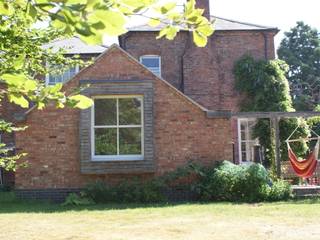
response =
{"points": [[239, 138], [118, 157], [151, 57]]}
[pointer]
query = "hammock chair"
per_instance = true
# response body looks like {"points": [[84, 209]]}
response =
{"points": [[304, 168]]}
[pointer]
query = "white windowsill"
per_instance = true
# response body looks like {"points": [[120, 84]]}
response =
{"points": [[117, 158]]}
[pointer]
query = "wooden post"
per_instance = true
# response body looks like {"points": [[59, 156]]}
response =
{"points": [[276, 139]]}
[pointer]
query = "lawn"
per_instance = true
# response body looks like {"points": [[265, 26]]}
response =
{"points": [[292, 220]]}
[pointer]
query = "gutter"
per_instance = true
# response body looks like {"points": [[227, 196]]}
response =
{"points": [[182, 61]]}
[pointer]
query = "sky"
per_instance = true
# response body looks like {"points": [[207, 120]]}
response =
{"points": [[282, 14]]}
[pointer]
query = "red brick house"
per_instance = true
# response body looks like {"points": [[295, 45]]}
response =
{"points": [[157, 107]]}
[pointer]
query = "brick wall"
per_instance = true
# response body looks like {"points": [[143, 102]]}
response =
{"points": [[182, 132], [207, 72]]}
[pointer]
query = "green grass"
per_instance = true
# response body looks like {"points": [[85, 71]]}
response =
{"points": [[282, 221]]}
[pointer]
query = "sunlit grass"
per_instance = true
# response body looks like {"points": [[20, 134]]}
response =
{"points": [[34, 220]]}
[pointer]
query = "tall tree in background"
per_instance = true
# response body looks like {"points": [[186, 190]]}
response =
{"points": [[301, 50]]}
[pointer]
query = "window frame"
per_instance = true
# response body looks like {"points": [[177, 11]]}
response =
{"points": [[48, 75], [150, 57], [118, 157]]}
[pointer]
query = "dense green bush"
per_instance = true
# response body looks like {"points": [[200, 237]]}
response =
{"points": [[136, 191], [280, 190], [223, 182], [249, 183]]}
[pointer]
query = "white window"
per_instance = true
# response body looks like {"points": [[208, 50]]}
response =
{"points": [[153, 63], [117, 128], [54, 78], [246, 140]]}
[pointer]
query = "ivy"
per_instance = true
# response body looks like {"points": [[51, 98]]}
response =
{"points": [[266, 89]]}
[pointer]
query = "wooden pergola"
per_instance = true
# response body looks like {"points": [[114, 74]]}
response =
{"points": [[274, 120]]}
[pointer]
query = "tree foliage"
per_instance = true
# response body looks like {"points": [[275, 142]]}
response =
{"points": [[266, 89], [301, 50], [23, 58]]}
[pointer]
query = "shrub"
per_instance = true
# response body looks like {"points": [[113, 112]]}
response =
{"points": [[230, 182], [224, 181], [280, 190], [77, 200], [135, 191]]}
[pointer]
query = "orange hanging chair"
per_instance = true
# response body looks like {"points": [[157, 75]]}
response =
{"points": [[304, 168]]}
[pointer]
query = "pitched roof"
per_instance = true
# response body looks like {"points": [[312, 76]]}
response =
{"points": [[221, 24], [74, 46]]}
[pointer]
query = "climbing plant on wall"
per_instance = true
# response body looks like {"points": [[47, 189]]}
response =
{"points": [[266, 88]]}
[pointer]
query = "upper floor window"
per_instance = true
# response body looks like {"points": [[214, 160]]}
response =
{"points": [[153, 63], [117, 128], [54, 78]]}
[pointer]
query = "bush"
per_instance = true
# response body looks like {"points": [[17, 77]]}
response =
{"points": [[135, 191], [223, 182], [77, 200], [280, 190], [249, 183]]}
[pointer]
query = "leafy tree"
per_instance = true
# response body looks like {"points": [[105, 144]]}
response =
{"points": [[301, 50], [266, 88], [22, 56]]}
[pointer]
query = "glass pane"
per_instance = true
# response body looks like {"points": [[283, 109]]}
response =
{"points": [[152, 62], [130, 141], [62, 77], [105, 141], [243, 147], [105, 112], [244, 156], [243, 126], [243, 135], [130, 111]]}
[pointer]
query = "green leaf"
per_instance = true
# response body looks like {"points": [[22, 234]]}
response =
{"points": [[55, 88], [206, 30], [30, 85], [114, 21], [154, 22], [168, 7], [93, 39], [74, 2], [81, 101], [199, 39], [163, 32], [14, 79], [19, 62], [189, 7], [6, 8], [32, 11], [171, 32], [19, 100]]}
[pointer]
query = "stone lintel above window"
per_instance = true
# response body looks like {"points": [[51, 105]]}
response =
{"points": [[112, 89]]}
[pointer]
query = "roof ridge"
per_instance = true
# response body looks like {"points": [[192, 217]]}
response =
{"points": [[245, 23]]}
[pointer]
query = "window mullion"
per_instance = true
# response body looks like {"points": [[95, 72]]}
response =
{"points": [[118, 152]]}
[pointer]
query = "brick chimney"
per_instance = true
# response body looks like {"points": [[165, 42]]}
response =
{"points": [[204, 4]]}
